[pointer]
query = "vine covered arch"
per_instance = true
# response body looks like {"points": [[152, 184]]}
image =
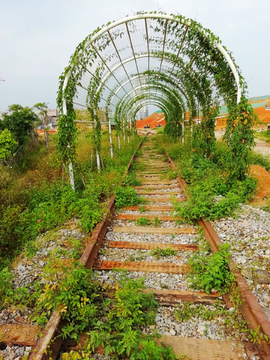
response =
{"points": [[166, 60]]}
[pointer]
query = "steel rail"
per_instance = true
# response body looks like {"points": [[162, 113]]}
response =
{"points": [[251, 309], [46, 343]]}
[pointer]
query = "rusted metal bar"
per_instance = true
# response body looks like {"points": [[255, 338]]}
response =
{"points": [[150, 246], [46, 344], [22, 334], [47, 338], [149, 217], [144, 192], [145, 266], [152, 230], [148, 208], [156, 186], [251, 309], [168, 297]]}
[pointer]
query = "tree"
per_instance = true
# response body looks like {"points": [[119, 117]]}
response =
{"points": [[20, 123], [7, 144], [43, 113]]}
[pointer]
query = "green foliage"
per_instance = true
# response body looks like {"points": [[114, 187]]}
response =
{"points": [[126, 196], [211, 271], [48, 207], [7, 144], [120, 333], [263, 135], [72, 290], [187, 311], [131, 180], [72, 355], [20, 123], [32, 203], [255, 158], [5, 286], [239, 137], [158, 253], [208, 179], [143, 221], [67, 137], [156, 222], [114, 322]]}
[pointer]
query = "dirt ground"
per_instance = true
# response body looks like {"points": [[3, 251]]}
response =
{"points": [[152, 120], [263, 176]]}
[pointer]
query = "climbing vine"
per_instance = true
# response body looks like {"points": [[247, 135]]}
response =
{"points": [[192, 78]]}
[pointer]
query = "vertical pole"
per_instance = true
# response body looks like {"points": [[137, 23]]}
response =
{"points": [[124, 133], [119, 145], [110, 132], [71, 175], [183, 129], [91, 158], [70, 165], [95, 125], [128, 131], [98, 161]]}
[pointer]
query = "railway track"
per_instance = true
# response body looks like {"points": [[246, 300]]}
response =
{"points": [[147, 241]]}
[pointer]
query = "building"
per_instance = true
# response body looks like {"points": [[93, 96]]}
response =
{"points": [[52, 115]]}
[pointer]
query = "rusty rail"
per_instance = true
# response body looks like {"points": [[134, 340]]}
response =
{"points": [[251, 309], [46, 347]]}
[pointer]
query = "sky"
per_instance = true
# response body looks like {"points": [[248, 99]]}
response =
{"points": [[37, 38]]}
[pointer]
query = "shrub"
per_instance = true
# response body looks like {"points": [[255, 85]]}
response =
{"points": [[211, 271], [126, 196]]}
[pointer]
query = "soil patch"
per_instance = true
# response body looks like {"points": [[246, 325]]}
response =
{"points": [[263, 177]]}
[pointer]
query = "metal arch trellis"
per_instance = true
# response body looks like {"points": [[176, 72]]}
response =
{"points": [[83, 57], [177, 103]]}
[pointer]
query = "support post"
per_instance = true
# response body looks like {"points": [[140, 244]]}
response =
{"points": [[98, 161], [110, 132], [95, 125], [71, 175], [183, 129], [128, 131]]}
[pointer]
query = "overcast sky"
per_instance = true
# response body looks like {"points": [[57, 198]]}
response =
{"points": [[37, 38]]}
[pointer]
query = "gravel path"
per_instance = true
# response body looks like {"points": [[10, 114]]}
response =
{"points": [[152, 238], [30, 270], [249, 237]]}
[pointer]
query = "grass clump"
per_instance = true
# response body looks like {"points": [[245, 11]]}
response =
{"points": [[158, 253], [211, 271], [126, 196], [143, 222], [114, 322], [131, 180], [263, 135], [212, 192]]}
